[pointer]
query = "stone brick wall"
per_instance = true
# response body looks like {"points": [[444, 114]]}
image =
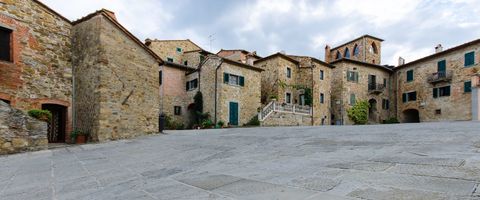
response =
{"points": [[287, 119], [192, 58], [274, 74], [126, 84], [342, 89], [174, 93], [364, 54], [19, 132], [168, 48], [457, 106], [40, 70]]}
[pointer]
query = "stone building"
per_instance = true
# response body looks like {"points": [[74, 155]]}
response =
{"points": [[116, 79], [35, 62], [299, 85], [439, 87], [239, 55], [357, 76]]}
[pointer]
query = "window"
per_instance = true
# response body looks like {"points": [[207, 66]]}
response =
{"points": [[170, 59], [410, 75], [469, 59], [442, 66], [160, 77], [185, 63], [322, 98], [179, 50], [352, 99], [321, 75], [233, 79], [289, 72], [202, 58], [352, 76], [441, 92], [385, 104], [356, 50], [339, 55], [347, 53], [191, 85], [410, 96], [6, 101], [438, 111], [5, 44], [177, 110], [288, 98], [373, 48], [467, 86], [385, 82]]}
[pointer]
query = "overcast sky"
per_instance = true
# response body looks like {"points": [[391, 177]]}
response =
{"points": [[410, 28]]}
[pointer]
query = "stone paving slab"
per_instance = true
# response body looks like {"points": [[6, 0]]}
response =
{"points": [[401, 161]]}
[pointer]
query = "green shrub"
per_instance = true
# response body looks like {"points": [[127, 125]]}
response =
{"points": [[391, 120], [220, 124], [253, 122], [198, 107], [173, 125], [359, 112], [76, 133], [43, 115], [207, 123]]}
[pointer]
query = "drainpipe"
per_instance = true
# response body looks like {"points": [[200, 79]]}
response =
{"points": [[313, 83], [216, 86]]}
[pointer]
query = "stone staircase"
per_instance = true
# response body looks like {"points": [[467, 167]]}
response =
{"points": [[281, 114]]}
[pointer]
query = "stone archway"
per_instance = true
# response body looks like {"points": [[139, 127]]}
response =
{"points": [[411, 116], [372, 110]]}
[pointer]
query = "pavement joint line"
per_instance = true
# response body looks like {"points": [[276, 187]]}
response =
{"points": [[52, 180], [88, 171], [208, 191], [475, 188]]}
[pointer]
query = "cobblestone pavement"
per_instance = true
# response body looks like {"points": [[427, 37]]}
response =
{"points": [[405, 161]]}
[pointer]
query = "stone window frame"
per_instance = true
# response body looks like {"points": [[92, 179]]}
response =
{"points": [[192, 84], [406, 76], [356, 50], [177, 110], [346, 53], [288, 97], [338, 55], [353, 99], [406, 96], [179, 50], [438, 92], [352, 76], [322, 75], [11, 43], [465, 59], [289, 72]]}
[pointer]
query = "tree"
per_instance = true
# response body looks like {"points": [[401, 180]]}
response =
{"points": [[198, 109], [359, 112]]}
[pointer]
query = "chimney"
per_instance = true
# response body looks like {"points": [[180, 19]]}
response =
{"points": [[438, 48], [254, 53], [327, 54], [148, 41], [401, 61], [283, 52], [110, 14]]}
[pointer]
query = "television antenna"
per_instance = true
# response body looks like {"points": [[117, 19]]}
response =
{"points": [[211, 39]]}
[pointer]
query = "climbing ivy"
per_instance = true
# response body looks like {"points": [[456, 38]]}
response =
{"points": [[307, 94]]}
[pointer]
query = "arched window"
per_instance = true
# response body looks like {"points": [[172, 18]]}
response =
{"points": [[356, 50], [347, 53], [339, 55], [373, 48]]}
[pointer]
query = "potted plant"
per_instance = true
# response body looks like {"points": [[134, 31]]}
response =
{"points": [[273, 97], [220, 124], [207, 124], [79, 137], [43, 115]]}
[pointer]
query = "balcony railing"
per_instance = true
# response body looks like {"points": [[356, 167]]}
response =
{"points": [[286, 108], [376, 88], [441, 76]]}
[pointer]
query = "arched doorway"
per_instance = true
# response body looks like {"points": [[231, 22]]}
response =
{"points": [[411, 116], [372, 110], [57, 126]]}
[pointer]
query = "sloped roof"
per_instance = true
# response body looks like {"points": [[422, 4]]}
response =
{"points": [[314, 59], [185, 40], [366, 35], [383, 67], [106, 13], [277, 55]]}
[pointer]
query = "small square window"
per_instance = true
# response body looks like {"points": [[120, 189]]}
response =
{"points": [[170, 59], [469, 59], [177, 110], [179, 50], [185, 63], [467, 87], [352, 76], [438, 111]]}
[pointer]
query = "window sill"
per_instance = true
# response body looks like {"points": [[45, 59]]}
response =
{"points": [[234, 85], [6, 62]]}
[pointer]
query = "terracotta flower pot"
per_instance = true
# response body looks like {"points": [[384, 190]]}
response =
{"points": [[81, 139]]}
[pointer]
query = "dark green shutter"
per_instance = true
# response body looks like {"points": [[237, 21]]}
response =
{"points": [[435, 92], [442, 66], [242, 81], [467, 86], [387, 104], [447, 91], [469, 58], [225, 77], [409, 75], [356, 77], [404, 97]]}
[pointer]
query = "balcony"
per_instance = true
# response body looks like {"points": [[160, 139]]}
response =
{"points": [[441, 76], [375, 88]]}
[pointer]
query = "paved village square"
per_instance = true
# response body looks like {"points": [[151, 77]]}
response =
{"points": [[88, 110]]}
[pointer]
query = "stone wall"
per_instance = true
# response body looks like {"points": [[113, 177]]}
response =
{"points": [[364, 54], [287, 119], [40, 70], [174, 93], [126, 84], [168, 48], [274, 75], [19, 132], [457, 106]]}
